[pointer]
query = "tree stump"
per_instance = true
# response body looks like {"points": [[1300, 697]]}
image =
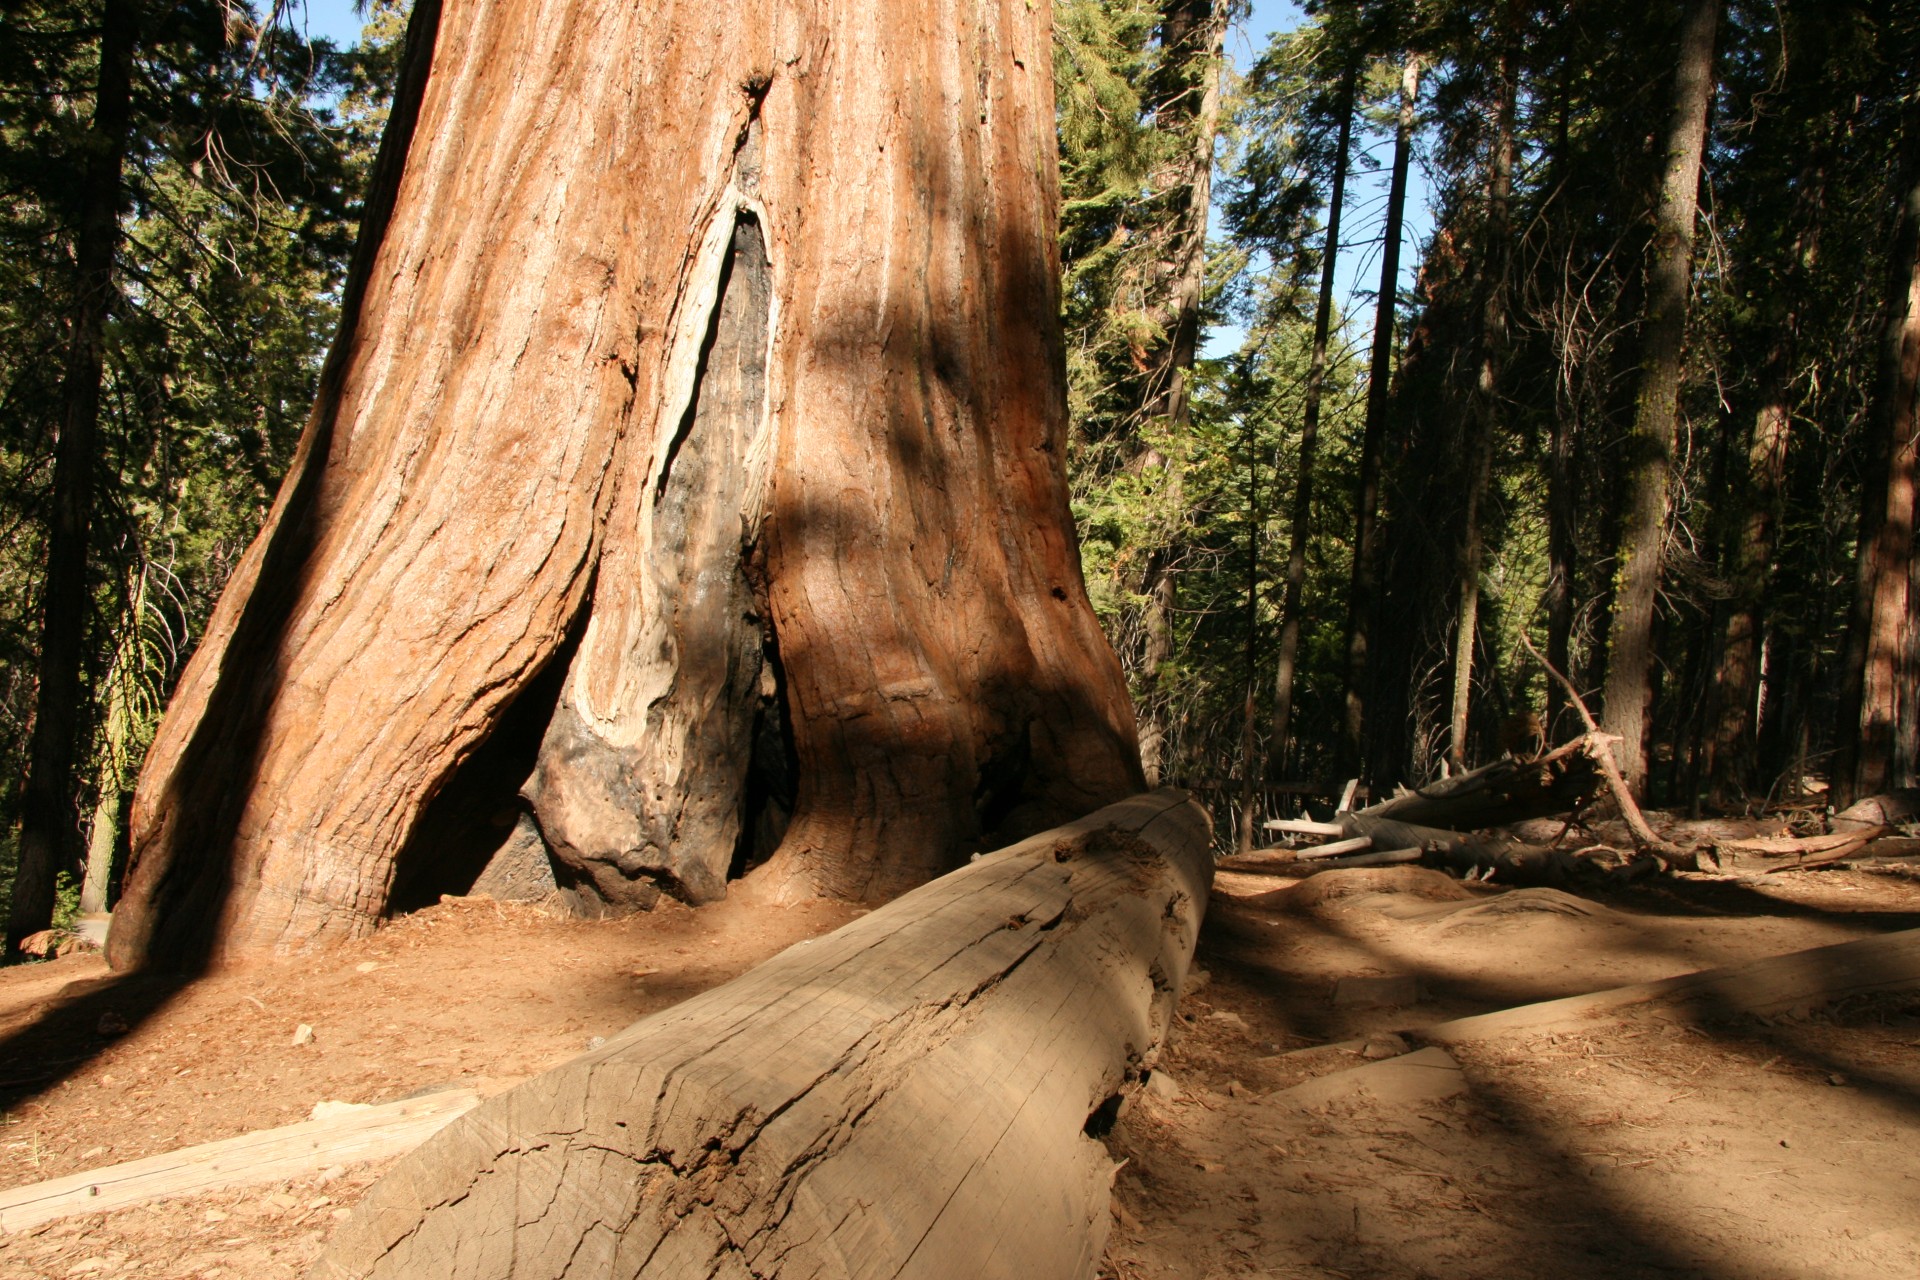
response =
{"points": [[918, 1094]]}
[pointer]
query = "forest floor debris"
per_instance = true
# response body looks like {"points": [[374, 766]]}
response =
{"points": [[1644, 1144]]}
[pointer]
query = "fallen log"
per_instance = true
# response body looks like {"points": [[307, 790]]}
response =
{"points": [[1886, 810], [1507, 790], [1377, 858], [1787, 853], [1459, 852], [350, 1136], [1599, 745], [1337, 847], [1303, 827], [914, 1095]]}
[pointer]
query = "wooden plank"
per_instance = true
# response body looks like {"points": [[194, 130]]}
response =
{"points": [[1304, 827], [908, 1096], [266, 1155], [1381, 858], [1890, 962], [1338, 847]]}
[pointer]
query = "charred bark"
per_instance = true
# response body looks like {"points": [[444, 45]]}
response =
{"points": [[1360, 601], [1302, 518], [701, 335]]}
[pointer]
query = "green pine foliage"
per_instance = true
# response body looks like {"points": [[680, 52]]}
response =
{"points": [[249, 145]]}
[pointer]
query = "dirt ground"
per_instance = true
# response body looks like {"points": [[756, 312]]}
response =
{"points": [[1642, 1145], [470, 991], [1650, 1144]]}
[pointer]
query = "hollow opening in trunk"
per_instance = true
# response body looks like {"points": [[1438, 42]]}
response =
{"points": [[773, 766], [478, 811]]}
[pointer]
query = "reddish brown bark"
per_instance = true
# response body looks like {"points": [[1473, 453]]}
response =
{"points": [[1877, 683], [1736, 680], [540, 422]]}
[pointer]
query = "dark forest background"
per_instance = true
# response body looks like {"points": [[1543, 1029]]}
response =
{"points": [[1646, 414]]}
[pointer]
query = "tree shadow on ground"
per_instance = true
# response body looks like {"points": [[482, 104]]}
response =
{"points": [[1520, 1176]]}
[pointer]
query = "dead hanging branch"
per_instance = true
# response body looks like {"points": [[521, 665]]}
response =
{"points": [[1600, 747]]}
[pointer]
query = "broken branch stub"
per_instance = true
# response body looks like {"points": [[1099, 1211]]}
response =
{"points": [[917, 1094]]}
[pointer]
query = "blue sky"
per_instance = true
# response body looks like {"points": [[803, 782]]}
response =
{"points": [[334, 19], [1359, 266]]}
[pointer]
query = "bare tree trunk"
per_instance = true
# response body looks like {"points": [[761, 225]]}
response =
{"points": [[633, 277], [1562, 553], [1731, 742], [1871, 690], [1249, 739], [123, 717], [49, 824], [1192, 33], [1360, 601], [1160, 586], [1562, 503], [1289, 658], [1629, 687], [1483, 414]]}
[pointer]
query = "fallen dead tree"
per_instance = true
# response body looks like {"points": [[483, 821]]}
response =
{"points": [[1446, 824], [1508, 790], [1443, 824], [910, 1096], [1787, 853], [1794, 983]]}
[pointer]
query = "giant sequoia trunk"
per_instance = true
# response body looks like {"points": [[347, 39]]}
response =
{"points": [[1877, 685], [689, 463]]}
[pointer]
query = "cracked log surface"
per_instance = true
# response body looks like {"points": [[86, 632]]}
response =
{"points": [[908, 1096]]}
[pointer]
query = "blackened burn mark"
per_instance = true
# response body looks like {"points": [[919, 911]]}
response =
{"points": [[724, 691]]}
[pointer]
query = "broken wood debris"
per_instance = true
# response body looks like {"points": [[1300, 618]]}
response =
{"points": [[349, 1136]]}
